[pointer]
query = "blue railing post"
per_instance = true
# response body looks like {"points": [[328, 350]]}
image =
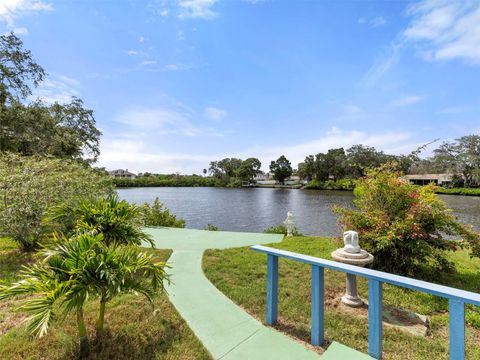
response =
{"points": [[318, 306], [272, 289], [375, 318], [457, 329]]}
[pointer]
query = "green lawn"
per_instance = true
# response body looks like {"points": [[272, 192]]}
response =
{"points": [[133, 331], [241, 274]]}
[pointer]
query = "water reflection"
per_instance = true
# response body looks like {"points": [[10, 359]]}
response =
{"points": [[256, 209]]}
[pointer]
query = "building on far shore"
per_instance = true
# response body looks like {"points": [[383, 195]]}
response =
{"points": [[265, 179], [120, 173], [425, 179]]}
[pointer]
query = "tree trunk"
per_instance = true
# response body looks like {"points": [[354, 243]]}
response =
{"points": [[82, 333], [101, 315]]}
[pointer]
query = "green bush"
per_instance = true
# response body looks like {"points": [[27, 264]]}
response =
{"points": [[459, 191], [342, 184], [30, 185], [211, 227], [158, 215], [165, 181], [118, 221], [403, 225], [281, 229]]}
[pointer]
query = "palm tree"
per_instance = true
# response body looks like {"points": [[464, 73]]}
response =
{"points": [[118, 221], [80, 267]]}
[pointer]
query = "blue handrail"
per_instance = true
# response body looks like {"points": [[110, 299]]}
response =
{"points": [[457, 298]]}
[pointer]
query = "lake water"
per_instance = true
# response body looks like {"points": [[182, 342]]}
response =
{"points": [[256, 209]]}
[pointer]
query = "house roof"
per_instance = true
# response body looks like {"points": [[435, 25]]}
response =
{"points": [[121, 172], [440, 177]]}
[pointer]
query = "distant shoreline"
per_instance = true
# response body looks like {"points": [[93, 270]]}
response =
{"points": [[442, 191]]}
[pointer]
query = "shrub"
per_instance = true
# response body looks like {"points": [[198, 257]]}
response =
{"points": [[402, 225], [158, 215], [211, 227], [74, 269], [118, 221], [341, 184], [30, 185], [281, 229]]}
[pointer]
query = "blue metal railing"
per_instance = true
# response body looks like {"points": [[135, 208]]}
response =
{"points": [[457, 298]]}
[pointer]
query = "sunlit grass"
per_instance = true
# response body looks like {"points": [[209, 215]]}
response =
{"points": [[241, 274], [133, 331]]}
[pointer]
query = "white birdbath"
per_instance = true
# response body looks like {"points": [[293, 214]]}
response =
{"points": [[353, 255], [289, 224]]}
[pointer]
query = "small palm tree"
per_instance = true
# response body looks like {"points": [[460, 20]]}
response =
{"points": [[118, 221], [72, 270]]}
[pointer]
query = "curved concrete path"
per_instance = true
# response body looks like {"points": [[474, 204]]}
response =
{"points": [[226, 330]]}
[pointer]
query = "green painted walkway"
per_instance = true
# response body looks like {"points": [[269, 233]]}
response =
{"points": [[226, 330]]}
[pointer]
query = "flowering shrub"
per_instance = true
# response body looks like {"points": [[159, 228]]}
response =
{"points": [[403, 225]]}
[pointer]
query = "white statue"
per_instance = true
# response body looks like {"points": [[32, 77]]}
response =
{"points": [[289, 224], [350, 239]]}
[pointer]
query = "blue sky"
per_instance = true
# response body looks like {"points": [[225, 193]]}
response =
{"points": [[176, 84]]}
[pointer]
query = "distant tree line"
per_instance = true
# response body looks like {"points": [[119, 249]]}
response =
{"points": [[336, 169]]}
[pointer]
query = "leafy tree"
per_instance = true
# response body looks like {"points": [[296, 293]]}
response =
{"points": [[119, 221], [249, 169], [336, 162], [60, 130], [361, 157], [31, 185], [281, 169], [403, 225], [461, 157], [226, 167], [18, 70], [158, 215], [75, 269]]}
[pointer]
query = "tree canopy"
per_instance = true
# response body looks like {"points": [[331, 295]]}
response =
{"points": [[281, 168], [37, 128]]}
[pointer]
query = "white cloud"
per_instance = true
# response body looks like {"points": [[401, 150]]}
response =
{"points": [[158, 120], [140, 156], [446, 29], [10, 10], [214, 113], [132, 52], [148, 63], [408, 100], [201, 9], [381, 65], [352, 109], [454, 110], [173, 118], [57, 88], [378, 21], [20, 31], [375, 22]]}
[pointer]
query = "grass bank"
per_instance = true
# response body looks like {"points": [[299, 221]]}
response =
{"points": [[133, 330], [241, 274]]}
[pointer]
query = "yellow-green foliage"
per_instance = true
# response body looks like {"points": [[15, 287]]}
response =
{"points": [[29, 185]]}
